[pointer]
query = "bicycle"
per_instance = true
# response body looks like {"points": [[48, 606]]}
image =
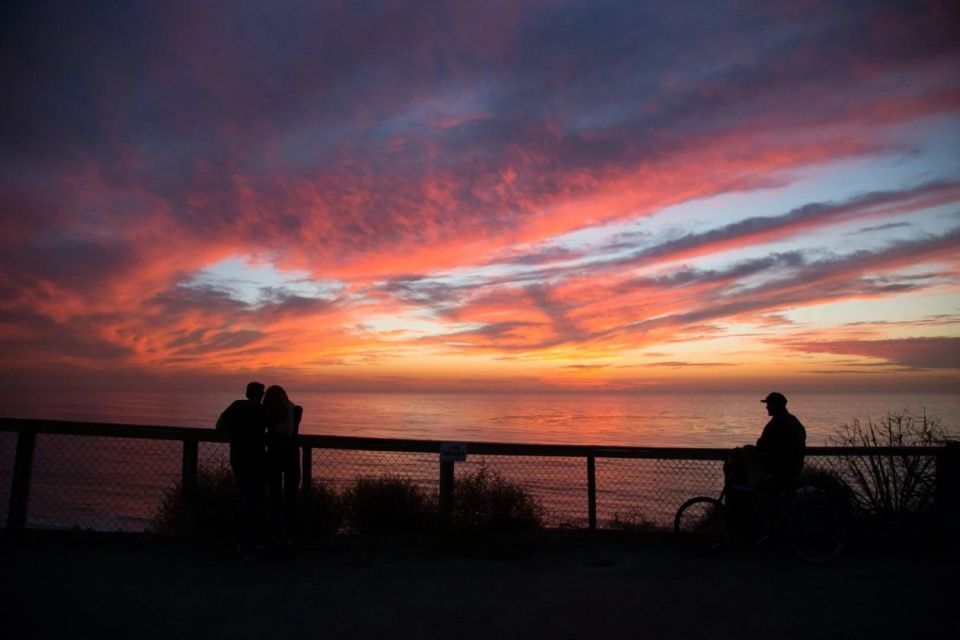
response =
{"points": [[805, 521]]}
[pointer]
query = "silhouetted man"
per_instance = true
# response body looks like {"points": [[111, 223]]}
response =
{"points": [[782, 444], [245, 422]]}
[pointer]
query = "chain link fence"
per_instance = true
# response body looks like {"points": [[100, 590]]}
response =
{"points": [[339, 468], [213, 456], [100, 483], [559, 483], [118, 483], [645, 492]]}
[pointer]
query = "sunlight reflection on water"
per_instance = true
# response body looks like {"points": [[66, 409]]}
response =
{"points": [[692, 420]]}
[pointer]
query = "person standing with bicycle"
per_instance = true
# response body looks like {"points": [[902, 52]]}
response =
{"points": [[761, 501], [775, 462], [782, 445], [758, 477]]}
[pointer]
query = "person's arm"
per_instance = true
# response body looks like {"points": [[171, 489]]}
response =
{"points": [[767, 445], [297, 418], [223, 422], [764, 441]]}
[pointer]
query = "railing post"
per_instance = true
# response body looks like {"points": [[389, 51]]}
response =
{"points": [[20, 486], [592, 491], [446, 490], [948, 480], [188, 480], [306, 466]]}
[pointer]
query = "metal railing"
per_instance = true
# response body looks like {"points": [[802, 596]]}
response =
{"points": [[113, 476]]}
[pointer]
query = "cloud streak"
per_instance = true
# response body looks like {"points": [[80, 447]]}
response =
{"points": [[919, 353]]}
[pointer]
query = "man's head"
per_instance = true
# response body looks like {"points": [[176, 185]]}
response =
{"points": [[776, 403], [255, 391]]}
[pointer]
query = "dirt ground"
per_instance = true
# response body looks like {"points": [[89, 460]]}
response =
{"points": [[550, 586]]}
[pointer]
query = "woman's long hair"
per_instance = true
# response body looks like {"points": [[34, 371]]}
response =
{"points": [[275, 402]]}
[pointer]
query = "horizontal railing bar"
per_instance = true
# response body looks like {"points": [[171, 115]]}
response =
{"points": [[875, 451], [110, 429], [153, 432]]}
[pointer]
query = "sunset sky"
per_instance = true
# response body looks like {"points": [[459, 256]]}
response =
{"points": [[480, 195]]}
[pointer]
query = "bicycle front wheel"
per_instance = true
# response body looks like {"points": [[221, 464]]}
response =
{"points": [[701, 525], [815, 530]]}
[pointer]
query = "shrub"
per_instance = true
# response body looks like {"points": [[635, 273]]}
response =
{"points": [[215, 505], [891, 484], [216, 501], [320, 511], [388, 504], [484, 500]]}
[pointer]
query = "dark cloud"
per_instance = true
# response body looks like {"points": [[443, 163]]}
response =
{"points": [[492, 330], [743, 233], [679, 364], [211, 299], [809, 281], [585, 367], [916, 353], [936, 319], [799, 268], [792, 280], [808, 216], [206, 341], [885, 227], [276, 302], [38, 339], [240, 117]]}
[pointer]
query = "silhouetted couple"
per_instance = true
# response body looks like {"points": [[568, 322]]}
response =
{"points": [[264, 457]]}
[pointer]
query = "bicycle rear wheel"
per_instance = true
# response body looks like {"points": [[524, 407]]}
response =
{"points": [[815, 530], [701, 525]]}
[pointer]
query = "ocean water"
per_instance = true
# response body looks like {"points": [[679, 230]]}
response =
{"points": [[678, 419], [119, 483]]}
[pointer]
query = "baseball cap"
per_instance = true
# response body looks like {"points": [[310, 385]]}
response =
{"points": [[775, 398]]}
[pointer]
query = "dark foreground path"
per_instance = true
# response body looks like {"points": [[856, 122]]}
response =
{"points": [[561, 587]]}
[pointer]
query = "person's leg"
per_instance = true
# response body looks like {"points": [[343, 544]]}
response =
{"points": [[247, 504], [770, 502], [275, 490], [258, 502], [741, 501], [291, 488]]}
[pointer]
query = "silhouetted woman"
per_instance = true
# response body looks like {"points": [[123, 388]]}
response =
{"points": [[283, 460]]}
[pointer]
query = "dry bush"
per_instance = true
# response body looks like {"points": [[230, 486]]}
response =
{"points": [[891, 484]]}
